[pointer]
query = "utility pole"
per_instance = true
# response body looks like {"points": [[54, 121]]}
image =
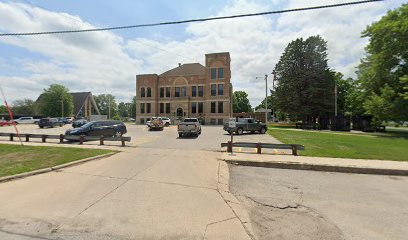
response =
{"points": [[273, 89], [335, 99], [62, 107], [109, 107], [266, 98]]}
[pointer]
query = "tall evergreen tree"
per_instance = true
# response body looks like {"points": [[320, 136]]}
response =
{"points": [[305, 83]]}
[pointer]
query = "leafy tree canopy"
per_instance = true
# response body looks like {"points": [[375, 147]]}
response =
{"points": [[305, 82], [240, 102], [103, 101], [24, 106], [55, 99]]}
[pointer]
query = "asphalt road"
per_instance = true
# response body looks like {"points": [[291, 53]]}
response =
{"points": [[159, 187], [293, 204]]}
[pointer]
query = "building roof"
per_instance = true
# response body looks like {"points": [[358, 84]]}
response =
{"points": [[79, 100], [185, 70]]}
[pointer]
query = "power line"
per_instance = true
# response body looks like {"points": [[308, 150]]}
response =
{"points": [[190, 20]]}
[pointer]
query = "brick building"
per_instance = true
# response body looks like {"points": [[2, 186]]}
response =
{"points": [[189, 90]]}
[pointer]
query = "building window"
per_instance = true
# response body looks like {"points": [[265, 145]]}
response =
{"points": [[200, 107], [142, 108], [193, 107], [220, 89], [212, 121], [162, 92], [142, 121], [194, 91], [167, 107], [213, 89], [142, 92], [213, 107], [148, 107], [177, 92], [149, 92], [183, 91], [220, 73], [161, 107], [220, 107], [167, 91], [220, 121], [213, 73], [201, 91]]}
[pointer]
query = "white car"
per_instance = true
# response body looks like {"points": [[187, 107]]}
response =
{"points": [[166, 121], [28, 120]]}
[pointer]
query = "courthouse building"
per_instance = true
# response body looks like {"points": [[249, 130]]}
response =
{"points": [[189, 90]]}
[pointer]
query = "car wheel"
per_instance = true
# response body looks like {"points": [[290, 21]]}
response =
{"points": [[41, 127], [118, 134], [240, 131], [263, 130], [167, 124], [229, 132], [180, 135]]}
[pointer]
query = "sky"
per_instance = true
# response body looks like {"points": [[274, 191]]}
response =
{"points": [[107, 62]]}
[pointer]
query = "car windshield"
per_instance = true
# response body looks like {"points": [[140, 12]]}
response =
{"points": [[190, 120], [86, 125]]}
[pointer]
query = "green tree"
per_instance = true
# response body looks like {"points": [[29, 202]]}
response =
{"points": [[305, 82], [124, 109], [103, 101], [262, 104], [381, 73], [133, 108], [25, 106], [55, 99], [240, 102], [3, 109]]}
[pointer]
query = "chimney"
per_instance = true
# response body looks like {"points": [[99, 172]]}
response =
{"points": [[179, 64]]}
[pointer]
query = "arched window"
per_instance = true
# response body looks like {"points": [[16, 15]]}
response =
{"points": [[149, 92], [142, 92]]}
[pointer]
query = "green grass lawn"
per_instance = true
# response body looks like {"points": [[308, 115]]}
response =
{"points": [[392, 145], [16, 159]]}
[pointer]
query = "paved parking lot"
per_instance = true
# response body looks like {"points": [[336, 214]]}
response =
{"points": [[210, 139]]}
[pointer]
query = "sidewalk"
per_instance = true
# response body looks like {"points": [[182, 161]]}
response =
{"points": [[318, 163]]}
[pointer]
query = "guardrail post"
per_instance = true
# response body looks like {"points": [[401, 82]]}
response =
{"points": [[27, 137], [229, 147], [258, 148], [123, 141], [11, 137], [101, 140], [61, 138], [81, 139], [43, 137], [294, 150]]}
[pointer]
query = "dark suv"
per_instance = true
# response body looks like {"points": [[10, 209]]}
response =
{"points": [[49, 122], [99, 128]]}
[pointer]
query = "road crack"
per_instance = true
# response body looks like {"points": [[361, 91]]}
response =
{"points": [[212, 223], [277, 206]]}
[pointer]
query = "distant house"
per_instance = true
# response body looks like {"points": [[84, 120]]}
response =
{"points": [[84, 105]]}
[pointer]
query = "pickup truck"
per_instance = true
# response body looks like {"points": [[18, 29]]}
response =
{"points": [[189, 126], [29, 120], [246, 125]]}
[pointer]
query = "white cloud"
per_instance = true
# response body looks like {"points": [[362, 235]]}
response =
{"points": [[106, 62]]}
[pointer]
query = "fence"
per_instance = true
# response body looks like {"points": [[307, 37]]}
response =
{"points": [[259, 146], [61, 138]]}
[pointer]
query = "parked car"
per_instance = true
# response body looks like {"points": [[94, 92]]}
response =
{"points": [[68, 120], [155, 124], [246, 125], [189, 126], [79, 122], [166, 121], [61, 121], [26, 120], [49, 122], [99, 128]]}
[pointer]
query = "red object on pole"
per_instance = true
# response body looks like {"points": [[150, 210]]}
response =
{"points": [[10, 114]]}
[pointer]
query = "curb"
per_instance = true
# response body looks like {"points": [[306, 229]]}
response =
{"points": [[50, 169], [322, 168]]}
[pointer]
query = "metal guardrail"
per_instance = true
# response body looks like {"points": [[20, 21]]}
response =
{"points": [[259, 146], [61, 138]]}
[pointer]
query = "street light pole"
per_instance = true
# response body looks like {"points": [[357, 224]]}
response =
{"points": [[62, 107], [273, 89], [266, 98]]}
